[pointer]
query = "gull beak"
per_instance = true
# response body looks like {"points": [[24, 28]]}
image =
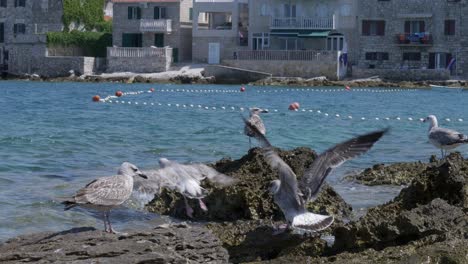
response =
{"points": [[425, 120], [264, 111], [142, 175]]}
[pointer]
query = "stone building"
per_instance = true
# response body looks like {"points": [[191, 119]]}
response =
{"points": [[418, 39], [150, 34], [23, 24]]}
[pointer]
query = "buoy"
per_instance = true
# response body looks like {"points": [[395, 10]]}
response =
{"points": [[294, 106], [118, 93], [152, 90], [347, 88], [96, 98], [242, 89]]}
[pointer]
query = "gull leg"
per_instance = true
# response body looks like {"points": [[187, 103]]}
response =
{"points": [[112, 231], [188, 209], [202, 205], [105, 221]]}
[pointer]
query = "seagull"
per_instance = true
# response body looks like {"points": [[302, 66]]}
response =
{"points": [[292, 196], [183, 178], [444, 138], [105, 193], [256, 121]]}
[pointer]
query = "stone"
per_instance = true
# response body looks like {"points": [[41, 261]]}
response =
{"points": [[250, 198], [166, 244]]}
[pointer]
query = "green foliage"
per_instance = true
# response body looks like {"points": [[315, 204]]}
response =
{"points": [[87, 12], [93, 43]]}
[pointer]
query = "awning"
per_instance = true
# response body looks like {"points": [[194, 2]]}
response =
{"points": [[300, 33]]}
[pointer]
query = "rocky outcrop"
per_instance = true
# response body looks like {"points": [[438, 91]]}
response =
{"points": [[250, 199], [395, 174], [165, 244]]}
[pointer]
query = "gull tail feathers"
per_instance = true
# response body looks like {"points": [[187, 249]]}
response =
{"points": [[312, 222]]}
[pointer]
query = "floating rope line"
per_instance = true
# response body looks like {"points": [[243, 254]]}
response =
{"points": [[279, 90]]}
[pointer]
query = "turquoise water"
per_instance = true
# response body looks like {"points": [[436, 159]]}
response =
{"points": [[54, 139]]}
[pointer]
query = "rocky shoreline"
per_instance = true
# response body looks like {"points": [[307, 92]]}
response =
{"points": [[426, 223]]}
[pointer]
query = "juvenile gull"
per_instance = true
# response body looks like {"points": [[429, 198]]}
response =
{"points": [[183, 178], [444, 138], [256, 121], [105, 193], [291, 196]]}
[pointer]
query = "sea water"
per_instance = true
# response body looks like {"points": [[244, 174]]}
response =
{"points": [[54, 139]]}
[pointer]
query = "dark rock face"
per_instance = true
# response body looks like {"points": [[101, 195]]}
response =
{"points": [[250, 198], [394, 174], [433, 206], [168, 244]]}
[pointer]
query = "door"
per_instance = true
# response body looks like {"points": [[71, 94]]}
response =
{"points": [[132, 40], [159, 40], [213, 53]]}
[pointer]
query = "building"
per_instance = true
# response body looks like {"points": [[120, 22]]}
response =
{"points": [[274, 36], [148, 35], [422, 39], [23, 24]]}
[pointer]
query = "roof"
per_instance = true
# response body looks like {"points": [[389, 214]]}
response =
{"points": [[145, 1], [300, 33]]}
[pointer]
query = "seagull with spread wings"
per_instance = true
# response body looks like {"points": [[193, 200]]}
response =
{"points": [[183, 178], [292, 196]]}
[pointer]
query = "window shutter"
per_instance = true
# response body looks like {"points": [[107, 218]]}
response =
{"points": [[15, 28], [130, 9], [138, 13], [447, 27], [190, 14], [422, 26], [452, 27], [432, 60], [381, 28], [156, 12], [365, 27], [407, 27], [448, 58], [163, 12]]}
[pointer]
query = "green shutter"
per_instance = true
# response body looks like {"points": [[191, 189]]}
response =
{"points": [[159, 40], [130, 12], [190, 14], [156, 12], [2, 32], [138, 13], [163, 12]]}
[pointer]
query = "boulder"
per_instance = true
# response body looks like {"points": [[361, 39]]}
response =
{"points": [[250, 198], [164, 244]]}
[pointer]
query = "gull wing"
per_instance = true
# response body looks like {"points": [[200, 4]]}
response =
{"points": [[105, 191], [315, 175], [447, 137]]}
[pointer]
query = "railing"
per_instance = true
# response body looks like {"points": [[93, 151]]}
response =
{"points": [[414, 39], [301, 55], [44, 28], [155, 25], [301, 23], [136, 52]]}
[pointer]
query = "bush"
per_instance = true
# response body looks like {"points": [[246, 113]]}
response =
{"points": [[93, 43], [87, 12]]}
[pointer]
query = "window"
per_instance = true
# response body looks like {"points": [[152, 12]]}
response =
{"points": [[373, 27], [439, 60], [335, 43], [134, 12], [3, 3], [19, 29], [412, 27], [190, 14], [260, 41], [412, 56], [291, 44], [289, 10], [159, 40], [2, 32], [132, 40], [378, 56], [449, 27], [160, 12], [20, 3]]}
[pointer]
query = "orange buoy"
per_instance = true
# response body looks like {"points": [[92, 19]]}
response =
{"points": [[242, 89], [294, 106], [118, 93], [96, 98], [152, 90]]}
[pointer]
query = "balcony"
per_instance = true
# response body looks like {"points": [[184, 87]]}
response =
{"points": [[422, 39], [285, 55], [156, 25], [302, 23], [144, 52]]}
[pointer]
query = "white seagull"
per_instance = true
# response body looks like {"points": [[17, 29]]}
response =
{"points": [[291, 196], [183, 178], [444, 138], [105, 193], [256, 121]]}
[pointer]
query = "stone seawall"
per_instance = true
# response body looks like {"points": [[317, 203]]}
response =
{"points": [[402, 75]]}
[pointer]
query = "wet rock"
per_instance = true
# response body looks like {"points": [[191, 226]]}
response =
{"points": [[168, 244], [433, 205], [253, 240], [250, 198], [395, 174]]}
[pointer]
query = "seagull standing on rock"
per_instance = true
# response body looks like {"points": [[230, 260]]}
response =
{"points": [[291, 196], [183, 178], [256, 121], [444, 138], [105, 193]]}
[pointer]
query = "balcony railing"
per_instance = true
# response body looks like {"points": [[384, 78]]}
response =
{"points": [[302, 23], [414, 39], [125, 52], [300, 55], [156, 25]]}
